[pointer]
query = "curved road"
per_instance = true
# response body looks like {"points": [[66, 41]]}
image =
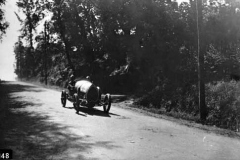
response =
{"points": [[41, 129]]}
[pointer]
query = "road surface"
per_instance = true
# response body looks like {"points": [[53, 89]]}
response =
{"points": [[40, 128]]}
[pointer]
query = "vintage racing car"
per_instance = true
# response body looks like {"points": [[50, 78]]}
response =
{"points": [[86, 94]]}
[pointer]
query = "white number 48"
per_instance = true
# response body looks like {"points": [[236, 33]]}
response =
{"points": [[4, 156]]}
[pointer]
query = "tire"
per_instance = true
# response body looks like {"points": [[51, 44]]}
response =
{"points": [[107, 103], [76, 102], [64, 98]]}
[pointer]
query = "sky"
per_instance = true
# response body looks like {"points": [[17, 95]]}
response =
{"points": [[7, 57]]}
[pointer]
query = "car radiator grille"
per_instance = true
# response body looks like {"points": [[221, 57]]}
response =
{"points": [[92, 95]]}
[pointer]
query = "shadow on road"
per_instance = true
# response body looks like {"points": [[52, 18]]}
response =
{"points": [[69, 107], [93, 112], [32, 136], [13, 87]]}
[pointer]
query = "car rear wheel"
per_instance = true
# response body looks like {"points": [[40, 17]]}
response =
{"points": [[107, 103], [76, 102], [64, 98]]}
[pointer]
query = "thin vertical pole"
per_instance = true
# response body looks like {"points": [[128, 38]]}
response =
{"points": [[200, 50]]}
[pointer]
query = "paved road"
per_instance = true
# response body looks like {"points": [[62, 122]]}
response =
{"points": [[53, 132]]}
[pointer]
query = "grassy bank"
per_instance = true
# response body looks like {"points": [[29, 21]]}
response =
{"points": [[222, 100]]}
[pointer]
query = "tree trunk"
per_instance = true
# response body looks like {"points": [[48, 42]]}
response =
{"points": [[201, 49], [45, 55], [30, 51], [62, 33]]}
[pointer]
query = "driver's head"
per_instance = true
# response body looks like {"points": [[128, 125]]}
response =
{"points": [[72, 77]]}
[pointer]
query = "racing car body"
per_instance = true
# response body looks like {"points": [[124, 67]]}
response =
{"points": [[86, 94]]}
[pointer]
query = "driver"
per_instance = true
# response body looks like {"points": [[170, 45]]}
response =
{"points": [[71, 85]]}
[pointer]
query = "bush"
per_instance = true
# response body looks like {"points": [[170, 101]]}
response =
{"points": [[153, 98], [223, 102], [177, 99]]}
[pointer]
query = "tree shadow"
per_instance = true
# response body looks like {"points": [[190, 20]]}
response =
{"points": [[13, 87], [14, 103], [32, 136]]}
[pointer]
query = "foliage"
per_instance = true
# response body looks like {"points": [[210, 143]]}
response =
{"points": [[3, 23], [20, 52], [182, 100], [223, 104]]}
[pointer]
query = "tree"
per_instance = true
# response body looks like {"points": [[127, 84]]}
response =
{"points": [[33, 10], [3, 24], [60, 10], [46, 41], [19, 51]]}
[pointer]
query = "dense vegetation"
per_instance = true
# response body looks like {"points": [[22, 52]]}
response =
{"points": [[138, 46], [3, 23]]}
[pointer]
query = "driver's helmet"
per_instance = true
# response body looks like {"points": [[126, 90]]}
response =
{"points": [[72, 77], [89, 78]]}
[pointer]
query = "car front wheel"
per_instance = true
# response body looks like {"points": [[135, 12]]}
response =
{"points": [[107, 103]]}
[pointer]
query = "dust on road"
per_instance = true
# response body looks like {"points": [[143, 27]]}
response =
{"points": [[37, 127]]}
